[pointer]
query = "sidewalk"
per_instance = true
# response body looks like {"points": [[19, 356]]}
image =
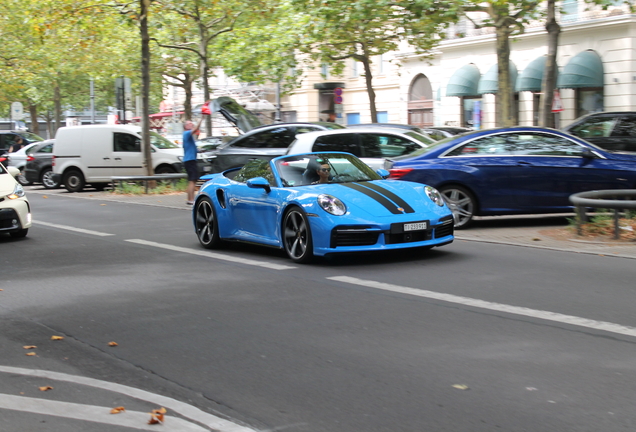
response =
{"points": [[538, 231]]}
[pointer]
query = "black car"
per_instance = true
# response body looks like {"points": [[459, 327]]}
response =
{"points": [[258, 141], [39, 166], [8, 138], [613, 131]]}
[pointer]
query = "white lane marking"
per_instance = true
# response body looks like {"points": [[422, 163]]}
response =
{"points": [[545, 315], [93, 413], [69, 228], [188, 411], [212, 255]]}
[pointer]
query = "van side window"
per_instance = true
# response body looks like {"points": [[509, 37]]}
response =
{"points": [[124, 142]]}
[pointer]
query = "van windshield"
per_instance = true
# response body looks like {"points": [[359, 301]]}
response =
{"points": [[161, 142]]}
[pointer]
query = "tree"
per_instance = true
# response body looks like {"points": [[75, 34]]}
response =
{"points": [[198, 22], [335, 31]]}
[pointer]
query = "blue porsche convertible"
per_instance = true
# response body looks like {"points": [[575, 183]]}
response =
{"points": [[316, 204]]}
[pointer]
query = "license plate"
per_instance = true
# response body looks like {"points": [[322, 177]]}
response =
{"points": [[415, 226]]}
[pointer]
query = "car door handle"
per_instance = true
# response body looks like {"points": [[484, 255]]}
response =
{"points": [[117, 158], [524, 164], [106, 158]]}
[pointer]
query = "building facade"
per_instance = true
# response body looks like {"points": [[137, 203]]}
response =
{"points": [[457, 85]]}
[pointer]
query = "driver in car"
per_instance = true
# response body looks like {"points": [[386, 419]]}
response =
{"points": [[324, 172]]}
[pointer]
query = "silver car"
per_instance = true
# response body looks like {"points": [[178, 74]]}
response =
{"points": [[371, 144]]}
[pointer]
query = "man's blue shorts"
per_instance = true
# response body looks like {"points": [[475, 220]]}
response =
{"points": [[192, 170]]}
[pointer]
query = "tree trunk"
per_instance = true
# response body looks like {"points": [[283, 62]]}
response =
{"points": [[505, 95], [57, 101], [368, 79], [548, 84], [205, 72], [187, 104], [33, 112], [145, 84]]}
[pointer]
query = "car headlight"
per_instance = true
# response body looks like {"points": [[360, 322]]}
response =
{"points": [[434, 195], [18, 192], [332, 205]]}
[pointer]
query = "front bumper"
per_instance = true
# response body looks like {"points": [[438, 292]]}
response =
{"points": [[358, 238], [14, 215]]}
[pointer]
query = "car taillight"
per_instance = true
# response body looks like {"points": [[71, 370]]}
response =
{"points": [[30, 158], [53, 161], [398, 173], [3, 159]]}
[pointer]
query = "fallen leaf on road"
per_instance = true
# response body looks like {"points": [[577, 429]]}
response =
{"points": [[30, 353], [45, 388], [112, 343], [44, 196], [460, 386], [156, 416], [29, 347], [57, 337], [117, 410]]}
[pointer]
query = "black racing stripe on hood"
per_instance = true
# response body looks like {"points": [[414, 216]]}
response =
{"points": [[393, 197], [374, 195]]}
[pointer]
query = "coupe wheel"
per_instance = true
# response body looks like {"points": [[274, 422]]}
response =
{"points": [[297, 236], [47, 179], [74, 181], [462, 203], [206, 225]]}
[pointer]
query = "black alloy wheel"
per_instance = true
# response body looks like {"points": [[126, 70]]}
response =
{"points": [[297, 236], [206, 225]]}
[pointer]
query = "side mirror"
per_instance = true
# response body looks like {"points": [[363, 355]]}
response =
{"points": [[259, 183], [588, 154], [383, 173]]}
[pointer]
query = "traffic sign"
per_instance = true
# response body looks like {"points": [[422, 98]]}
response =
{"points": [[17, 111], [337, 100], [337, 91], [557, 104]]}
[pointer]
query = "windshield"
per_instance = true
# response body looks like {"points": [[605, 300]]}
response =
{"points": [[428, 148], [31, 137], [161, 142], [306, 169], [427, 141]]}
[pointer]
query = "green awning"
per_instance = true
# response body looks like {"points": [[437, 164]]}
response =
{"points": [[531, 78], [464, 82], [583, 70], [489, 81]]}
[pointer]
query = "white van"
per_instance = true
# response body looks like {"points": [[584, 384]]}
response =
{"points": [[94, 154]]}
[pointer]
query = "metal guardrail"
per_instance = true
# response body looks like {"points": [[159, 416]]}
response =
{"points": [[145, 179], [616, 200]]}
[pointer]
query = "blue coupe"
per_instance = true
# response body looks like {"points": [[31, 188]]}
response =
{"points": [[316, 204], [517, 170]]}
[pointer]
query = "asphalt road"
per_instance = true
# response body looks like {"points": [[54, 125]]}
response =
{"points": [[472, 336]]}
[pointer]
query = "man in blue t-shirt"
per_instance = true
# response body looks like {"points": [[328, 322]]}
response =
{"points": [[190, 133]]}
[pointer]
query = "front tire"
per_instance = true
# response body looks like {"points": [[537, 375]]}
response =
{"points": [[206, 224], [46, 178], [297, 236], [20, 233], [462, 203], [22, 179], [74, 181]]}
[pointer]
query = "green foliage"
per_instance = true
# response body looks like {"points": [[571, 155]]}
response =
{"points": [[162, 188]]}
